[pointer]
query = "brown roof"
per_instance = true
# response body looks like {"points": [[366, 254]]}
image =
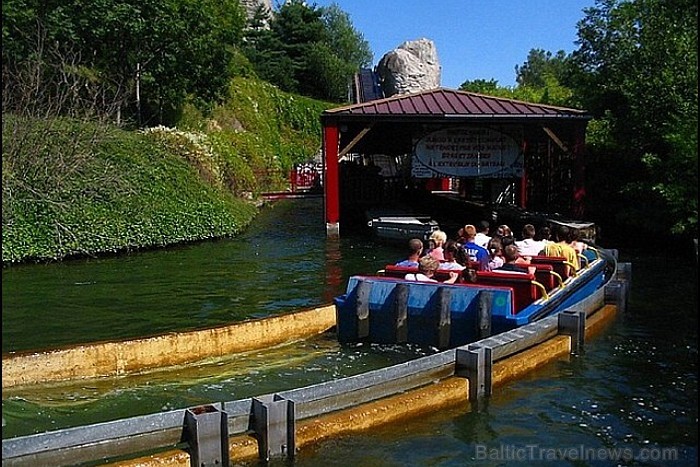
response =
{"points": [[450, 104]]}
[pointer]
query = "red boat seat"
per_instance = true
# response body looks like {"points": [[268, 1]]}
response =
{"points": [[558, 263], [391, 270], [399, 272], [526, 289], [545, 275]]}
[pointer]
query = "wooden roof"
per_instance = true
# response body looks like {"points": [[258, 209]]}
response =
{"points": [[449, 104]]}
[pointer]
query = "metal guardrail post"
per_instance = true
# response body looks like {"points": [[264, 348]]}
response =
{"points": [[573, 323], [483, 320], [615, 293], [274, 424], [206, 431], [476, 364], [624, 275]]}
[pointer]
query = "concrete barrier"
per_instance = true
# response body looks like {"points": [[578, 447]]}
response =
{"points": [[119, 358], [449, 392], [328, 409]]}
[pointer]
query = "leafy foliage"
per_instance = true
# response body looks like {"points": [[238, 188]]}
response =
{"points": [[72, 187], [307, 50], [91, 189], [157, 52], [635, 71]]}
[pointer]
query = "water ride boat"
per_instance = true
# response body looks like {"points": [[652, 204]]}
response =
{"points": [[403, 227], [386, 308], [514, 324]]}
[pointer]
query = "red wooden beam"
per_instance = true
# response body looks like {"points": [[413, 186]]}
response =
{"points": [[331, 183]]}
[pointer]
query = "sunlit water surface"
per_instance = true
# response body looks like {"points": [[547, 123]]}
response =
{"points": [[629, 399]]}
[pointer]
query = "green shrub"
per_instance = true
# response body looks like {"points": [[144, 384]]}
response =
{"points": [[88, 189], [73, 188]]}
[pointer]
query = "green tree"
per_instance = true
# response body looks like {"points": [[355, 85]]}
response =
{"points": [[483, 86], [637, 72], [307, 50], [160, 52], [539, 65], [348, 52]]}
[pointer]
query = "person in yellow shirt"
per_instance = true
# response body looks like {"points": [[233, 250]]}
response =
{"points": [[561, 248]]}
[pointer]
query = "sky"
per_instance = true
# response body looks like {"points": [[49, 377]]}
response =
{"points": [[475, 39]]}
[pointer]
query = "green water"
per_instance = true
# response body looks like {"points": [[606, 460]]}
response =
{"points": [[284, 262], [634, 387]]}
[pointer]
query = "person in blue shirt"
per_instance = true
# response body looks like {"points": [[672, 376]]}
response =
{"points": [[478, 255], [415, 251]]}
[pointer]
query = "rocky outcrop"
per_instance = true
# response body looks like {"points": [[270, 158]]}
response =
{"points": [[411, 67], [251, 6]]}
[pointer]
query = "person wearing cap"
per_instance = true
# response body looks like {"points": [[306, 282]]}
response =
{"points": [[478, 255]]}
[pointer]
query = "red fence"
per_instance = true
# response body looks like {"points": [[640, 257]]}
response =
{"points": [[305, 177]]}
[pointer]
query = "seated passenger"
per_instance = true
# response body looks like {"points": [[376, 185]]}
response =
{"points": [[426, 270], [504, 231], [513, 262], [478, 256], [438, 239], [482, 234], [451, 252], [495, 249], [528, 246], [575, 241], [415, 251], [544, 235], [560, 247]]}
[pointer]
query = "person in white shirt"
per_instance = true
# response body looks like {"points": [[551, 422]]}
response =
{"points": [[482, 234], [528, 246]]}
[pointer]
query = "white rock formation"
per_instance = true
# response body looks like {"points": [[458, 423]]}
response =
{"points": [[411, 67]]}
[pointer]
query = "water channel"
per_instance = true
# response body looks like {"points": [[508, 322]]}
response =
{"points": [[633, 393]]}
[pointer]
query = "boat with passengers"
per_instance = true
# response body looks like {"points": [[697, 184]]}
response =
{"points": [[490, 315], [385, 307]]}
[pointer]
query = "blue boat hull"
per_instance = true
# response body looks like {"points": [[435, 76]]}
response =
{"points": [[390, 310]]}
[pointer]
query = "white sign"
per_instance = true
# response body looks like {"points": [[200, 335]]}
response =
{"points": [[467, 152]]}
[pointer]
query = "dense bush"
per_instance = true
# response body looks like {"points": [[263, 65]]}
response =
{"points": [[76, 187]]}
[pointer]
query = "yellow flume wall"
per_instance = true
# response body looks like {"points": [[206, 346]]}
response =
{"points": [[449, 392], [138, 355]]}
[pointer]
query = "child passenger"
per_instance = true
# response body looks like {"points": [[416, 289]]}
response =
{"points": [[426, 270], [495, 249]]}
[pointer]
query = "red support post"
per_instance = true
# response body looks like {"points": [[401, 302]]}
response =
{"points": [[331, 185]]}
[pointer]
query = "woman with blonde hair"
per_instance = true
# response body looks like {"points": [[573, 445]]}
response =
{"points": [[437, 240]]}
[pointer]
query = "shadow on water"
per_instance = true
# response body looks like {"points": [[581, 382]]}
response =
{"points": [[629, 399]]}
